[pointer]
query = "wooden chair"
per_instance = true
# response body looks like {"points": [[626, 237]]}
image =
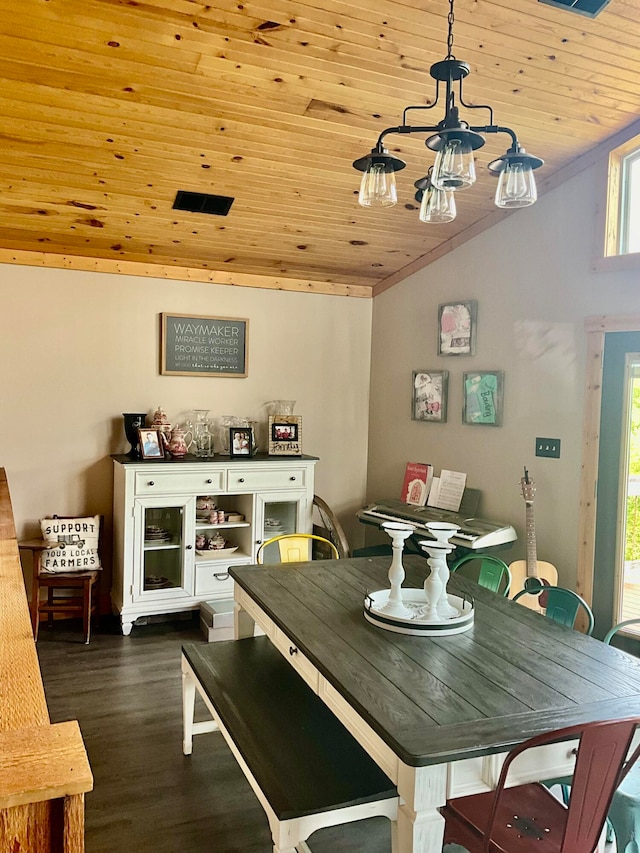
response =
{"points": [[528, 818], [562, 605], [489, 572], [68, 593], [296, 547], [331, 527]]}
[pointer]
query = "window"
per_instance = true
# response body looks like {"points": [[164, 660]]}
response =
{"points": [[629, 217], [622, 226]]}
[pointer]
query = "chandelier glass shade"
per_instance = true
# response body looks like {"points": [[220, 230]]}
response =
{"points": [[454, 142], [436, 205]]}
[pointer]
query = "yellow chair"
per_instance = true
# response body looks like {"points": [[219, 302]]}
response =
{"points": [[296, 547]]}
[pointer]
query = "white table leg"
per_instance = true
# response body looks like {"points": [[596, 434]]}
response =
{"points": [[188, 707], [243, 624], [420, 825]]}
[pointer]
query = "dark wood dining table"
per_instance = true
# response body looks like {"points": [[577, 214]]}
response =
{"points": [[438, 714]]}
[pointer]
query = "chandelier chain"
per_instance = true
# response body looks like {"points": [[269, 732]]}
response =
{"points": [[450, 20]]}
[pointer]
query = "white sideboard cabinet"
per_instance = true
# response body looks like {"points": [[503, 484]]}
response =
{"points": [[157, 567]]}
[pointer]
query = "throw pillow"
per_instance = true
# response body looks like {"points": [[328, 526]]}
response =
{"points": [[74, 544]]}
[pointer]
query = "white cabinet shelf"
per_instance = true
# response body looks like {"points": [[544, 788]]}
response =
{"points": [[272, 494]]}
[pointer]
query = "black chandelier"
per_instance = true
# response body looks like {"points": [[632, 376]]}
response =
{"points": [[454, 142]]}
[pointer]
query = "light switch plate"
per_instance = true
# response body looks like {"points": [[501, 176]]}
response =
{"points": [[548, 447]]}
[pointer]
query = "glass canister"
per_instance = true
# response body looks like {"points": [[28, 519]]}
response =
{"points": [[221, 426]]}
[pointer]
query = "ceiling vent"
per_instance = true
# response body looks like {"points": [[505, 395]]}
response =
{"points": [[590, 8], [216, 205]]}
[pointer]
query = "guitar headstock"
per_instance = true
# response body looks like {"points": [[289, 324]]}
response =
{"points": [[528, 487]]}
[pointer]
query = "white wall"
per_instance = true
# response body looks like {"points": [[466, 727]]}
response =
{"points": [[78, 349], [532, 280]]}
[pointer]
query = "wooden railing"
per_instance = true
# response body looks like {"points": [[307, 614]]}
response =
{"points": [[44, 771]]}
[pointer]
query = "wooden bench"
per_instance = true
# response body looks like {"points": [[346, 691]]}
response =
{"points": [[307, 771]]}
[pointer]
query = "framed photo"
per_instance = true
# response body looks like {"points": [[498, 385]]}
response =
{"points": [[482, 397], [457, 328], [151, 443], [194, 345], [285, 435], [429, 396], [240, 441]]}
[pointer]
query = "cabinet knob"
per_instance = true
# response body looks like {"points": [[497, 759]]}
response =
{"points": [[209, 481], [292, 478], [221, 576], [189, 547], [151, 483], [241, 479], [292, 650]]}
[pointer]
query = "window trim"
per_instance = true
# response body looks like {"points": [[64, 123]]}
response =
{"points": [[595, 330], [609, 216]]}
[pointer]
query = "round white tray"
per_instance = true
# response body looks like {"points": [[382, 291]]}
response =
{"points": [[415, 600]]}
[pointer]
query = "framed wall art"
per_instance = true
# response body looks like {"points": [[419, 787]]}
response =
{"points": [[285, 435], [457, 328], [204, 346], [429, 395], [482, 397]]}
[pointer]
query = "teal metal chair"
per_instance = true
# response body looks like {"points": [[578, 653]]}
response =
{"points": [[489, 572], [562, 605]]}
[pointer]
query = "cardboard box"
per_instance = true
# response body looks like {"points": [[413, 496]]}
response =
{"points": [[216, 621]]}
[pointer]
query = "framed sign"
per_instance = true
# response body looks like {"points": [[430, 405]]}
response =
{"points": [[204, 346], [482, 397], [285, 435], [457, 328], [429, 397]]}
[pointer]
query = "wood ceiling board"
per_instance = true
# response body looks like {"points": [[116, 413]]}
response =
{"points": [[298, 101]]}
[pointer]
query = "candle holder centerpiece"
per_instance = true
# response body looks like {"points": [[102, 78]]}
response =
{"points": [[430, 611]]}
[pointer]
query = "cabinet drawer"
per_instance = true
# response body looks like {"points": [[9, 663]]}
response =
{"points": [[241, 479], [298, 661], [213, 579], [185, 482]]}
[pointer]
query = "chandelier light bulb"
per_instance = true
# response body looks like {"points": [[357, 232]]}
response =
{"points": [[378, 187], [516, 186], [437, 206], [454, 168]]}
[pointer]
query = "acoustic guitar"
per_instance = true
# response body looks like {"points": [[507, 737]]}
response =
{"points": [[531, 573]]}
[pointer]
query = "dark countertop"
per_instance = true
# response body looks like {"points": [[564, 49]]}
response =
{"points": [[125, 459]]}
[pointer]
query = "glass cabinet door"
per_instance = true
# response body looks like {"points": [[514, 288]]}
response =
{"points": [[165, 555], [277, 514]]}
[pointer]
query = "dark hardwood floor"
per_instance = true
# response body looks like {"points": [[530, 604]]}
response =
{"points": [[126, 694]]}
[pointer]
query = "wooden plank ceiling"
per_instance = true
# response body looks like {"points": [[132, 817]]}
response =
{"points": [[109, 107]]}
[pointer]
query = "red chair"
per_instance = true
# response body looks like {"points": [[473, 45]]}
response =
{"points": [[528, 818]]}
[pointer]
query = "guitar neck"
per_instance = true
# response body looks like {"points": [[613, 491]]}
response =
{"points": [[532, 556]]}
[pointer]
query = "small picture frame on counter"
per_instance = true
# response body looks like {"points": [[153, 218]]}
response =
{"points": [[151, 443], [240, 441], [285, 435]]}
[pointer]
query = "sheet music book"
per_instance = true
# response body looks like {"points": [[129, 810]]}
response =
{"points": [[451, 489]]}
